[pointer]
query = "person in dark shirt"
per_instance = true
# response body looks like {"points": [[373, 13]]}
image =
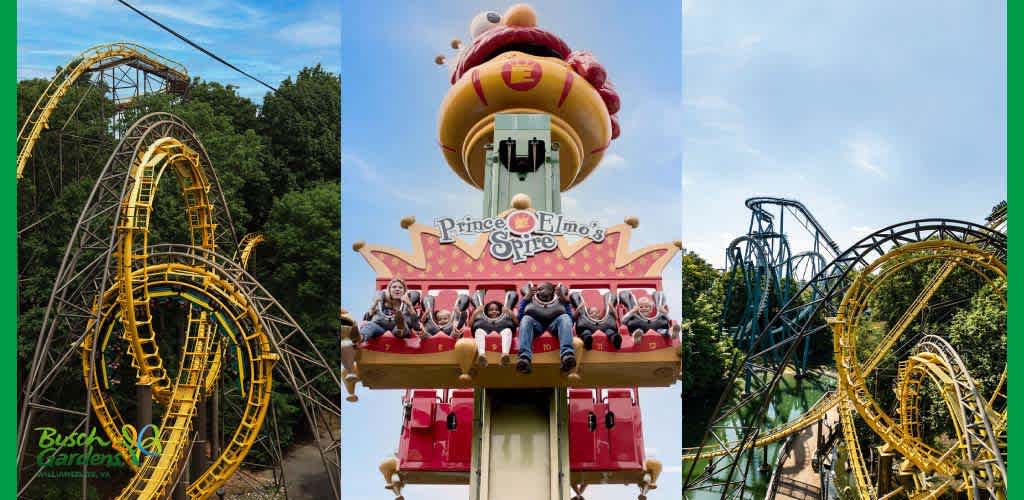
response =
{"points": [[543, 309], [589, 321], [644, 316]]}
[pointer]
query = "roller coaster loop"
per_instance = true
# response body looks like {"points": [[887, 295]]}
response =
{"points": [[110, 280], [735, 429]]}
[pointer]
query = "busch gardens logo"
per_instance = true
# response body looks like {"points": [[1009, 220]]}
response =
{"points": [[520, 234], [79, 448]]}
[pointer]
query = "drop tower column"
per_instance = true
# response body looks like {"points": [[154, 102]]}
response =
{"points": [[521, 436]]}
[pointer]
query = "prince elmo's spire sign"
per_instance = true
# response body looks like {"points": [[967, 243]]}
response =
{"points": [[519, 234], [518, 246]]}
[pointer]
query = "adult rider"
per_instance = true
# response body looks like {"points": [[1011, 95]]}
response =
{"points": [[542, 308]]}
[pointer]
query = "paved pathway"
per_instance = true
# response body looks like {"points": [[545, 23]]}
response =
{"points": [[798, 481]]}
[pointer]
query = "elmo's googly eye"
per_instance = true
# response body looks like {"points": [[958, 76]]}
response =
{"points": [[483, 22]]}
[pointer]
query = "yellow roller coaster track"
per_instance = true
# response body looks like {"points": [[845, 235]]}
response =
{"points": [[973, 420], [157, 475], [933, 468], [213, 302], [134, 231], [94, 59], [99, 318], [201, 289], [247, 246], [832, 398]]}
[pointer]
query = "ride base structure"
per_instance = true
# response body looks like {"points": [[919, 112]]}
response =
{"points": [[505, 434]]}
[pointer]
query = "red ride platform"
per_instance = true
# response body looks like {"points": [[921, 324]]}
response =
{"points": [[606, 443], [446, 270]]}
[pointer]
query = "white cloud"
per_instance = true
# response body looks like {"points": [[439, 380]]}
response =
{"points": [[197, 17], [372, 177], [748, 42], [652, 125], [856, 233], [75, 8], [719, 114], [52, 52], [869, 154], [740, 47], [613, 161], [408, 190], [210, 14], [710, 103], [711, 247], [33, 71], [313, 33]]}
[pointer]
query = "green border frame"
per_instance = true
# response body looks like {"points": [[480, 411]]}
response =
{"points": [[9, 278], [1013, 182]]}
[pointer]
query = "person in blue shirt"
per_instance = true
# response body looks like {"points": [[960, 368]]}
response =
{"points": [[545, 307]]}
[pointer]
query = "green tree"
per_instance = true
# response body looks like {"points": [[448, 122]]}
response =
{"points": [[302, 123], [706, 351], [300, 267], [225, 100]]}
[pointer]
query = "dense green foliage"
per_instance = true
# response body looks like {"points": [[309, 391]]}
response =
{"points": [[705, 350], [706, 353], [278, 167]]}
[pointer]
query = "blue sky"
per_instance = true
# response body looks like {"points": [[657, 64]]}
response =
{"points": [[869, 112], [270, 39], [392, 167]]}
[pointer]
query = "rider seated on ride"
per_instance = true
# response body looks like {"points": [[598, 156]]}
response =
{"points": [[382, 315], [439, 322], [644, 316], [541, 309], [589, 321], [449, 322], [493, 317]]}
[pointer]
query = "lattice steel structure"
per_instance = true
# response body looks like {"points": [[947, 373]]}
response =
{"points": [[736, 429], [765, 268], [121, 72], [111, 278], [126, 70]]}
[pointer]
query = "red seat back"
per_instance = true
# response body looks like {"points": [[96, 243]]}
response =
{"points": [[446, 300], [624, 438], [461, 439], [583, 441]]}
